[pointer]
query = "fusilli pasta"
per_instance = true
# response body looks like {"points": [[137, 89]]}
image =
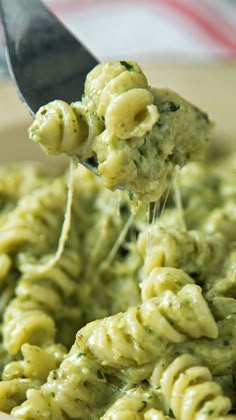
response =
{"points": [[137, 135], [189, 390], [111, 308]]}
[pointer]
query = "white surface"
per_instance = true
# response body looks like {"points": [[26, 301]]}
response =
{"points": [[139, 29], [181, 30]]}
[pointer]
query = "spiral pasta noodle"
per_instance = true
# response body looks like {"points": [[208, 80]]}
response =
{"points": [[36, 364], [181, 301], [136, 404], [162, 247], [129, 129], [88, 397], [60, 118], [155, 322], [217, 354], [17, 180], [32, 371], [34, 321], [189, 390], [31, 222]]}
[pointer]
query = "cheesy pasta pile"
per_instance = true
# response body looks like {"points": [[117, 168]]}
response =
{"points": [[136, 318], [120, 334]]}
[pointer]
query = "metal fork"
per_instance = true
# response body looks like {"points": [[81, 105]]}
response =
{"points": [[45, 60]]}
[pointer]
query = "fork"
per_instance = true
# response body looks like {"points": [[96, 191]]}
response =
{"points": [[45, 60]]}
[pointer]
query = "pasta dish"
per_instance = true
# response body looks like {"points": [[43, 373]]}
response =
{"points": [[118, 291]]}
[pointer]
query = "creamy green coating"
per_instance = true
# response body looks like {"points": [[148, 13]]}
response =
{"points": [[134, 301], [135, 135]]}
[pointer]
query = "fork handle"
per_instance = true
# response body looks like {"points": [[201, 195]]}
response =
{"points": [[43, 53]]}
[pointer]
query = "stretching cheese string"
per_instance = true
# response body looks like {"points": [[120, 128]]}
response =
{"points": [[42, 268]]}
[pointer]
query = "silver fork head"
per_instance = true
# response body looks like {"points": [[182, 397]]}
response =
{"points": [[46, 61]]}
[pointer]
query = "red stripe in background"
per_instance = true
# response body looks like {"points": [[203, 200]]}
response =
{"points": [[218, 18], [200, 13], [204, 22]]}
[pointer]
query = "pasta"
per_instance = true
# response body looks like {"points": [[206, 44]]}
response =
{"points": [[136, 134], [20, 228], [143, 333], [180, 301], [135, 338], [135, 405], [163, 247], [189, 390], [111, 307], [32, 371], [83, 396], [28, 228]]}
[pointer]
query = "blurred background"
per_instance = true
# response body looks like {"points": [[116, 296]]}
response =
{"points": [[145, 30]]}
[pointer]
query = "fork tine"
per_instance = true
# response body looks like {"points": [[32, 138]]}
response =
{"points": [[45, 59]]}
